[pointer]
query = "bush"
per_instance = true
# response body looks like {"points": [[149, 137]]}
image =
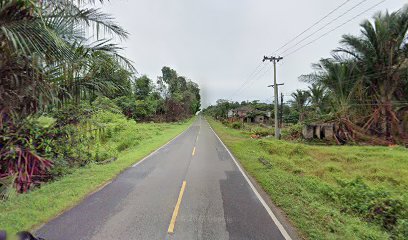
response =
{"points": [[118, 134], [236, 125], [373, 205], [72, 114], [262, 132], [128, 106], [29, 149], [292, 132], [106, 104], [401, 230]]}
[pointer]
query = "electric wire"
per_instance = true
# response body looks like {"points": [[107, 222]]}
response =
{"points": [[312, 26], [334, 29], [259, 69], [324, 26]]}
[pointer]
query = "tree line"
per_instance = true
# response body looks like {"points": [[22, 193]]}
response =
{"points": [[172, 98]]}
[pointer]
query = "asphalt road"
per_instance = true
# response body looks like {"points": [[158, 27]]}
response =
{"points": [[191, 187]]}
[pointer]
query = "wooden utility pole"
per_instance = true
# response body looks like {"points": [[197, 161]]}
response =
{"points": [[281, 112], [275, 86]]}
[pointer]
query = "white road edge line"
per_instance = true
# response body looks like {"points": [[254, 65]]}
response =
{"points": [[268, 209], [154, 152]]}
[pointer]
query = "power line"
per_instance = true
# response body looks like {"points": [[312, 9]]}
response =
{"points": [[313, 25], [268, 69], [251, 80], [324, 26], [253, 74], [256, 76], [256, 70], [364, 74], [334, 29]]}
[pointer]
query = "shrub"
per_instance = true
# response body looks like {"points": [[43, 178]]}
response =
{"points": [[119, 133], [72, 114], [128, 106], [262, 132], [373, 205], [293, 132], [236, 125], [401, 230], [23, 144], [106, 104]]}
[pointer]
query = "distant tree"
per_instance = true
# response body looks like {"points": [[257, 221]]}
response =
{"points": [[143, 87], [341, 79], [181, 96], [318, 97], [193, 97], [300, 100]]}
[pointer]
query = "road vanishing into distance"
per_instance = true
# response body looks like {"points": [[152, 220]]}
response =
{"points": [[192, 188]]}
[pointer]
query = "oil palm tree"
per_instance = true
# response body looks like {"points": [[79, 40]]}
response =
{"points": [[380, 54], [300, 100], [342, 81], [46, 57], [318, 97], [44, 45]]}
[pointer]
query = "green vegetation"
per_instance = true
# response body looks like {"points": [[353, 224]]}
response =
{"points": [[362, 89], [66, 89], [363, 86], [347, 192], [27, 211]]}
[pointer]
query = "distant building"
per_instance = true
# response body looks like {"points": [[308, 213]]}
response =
{"points": [[249, 114], [319, 131], [259, 119]]}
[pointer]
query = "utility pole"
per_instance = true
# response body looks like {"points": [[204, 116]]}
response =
{"points": [[281, 112], [275, 86]]}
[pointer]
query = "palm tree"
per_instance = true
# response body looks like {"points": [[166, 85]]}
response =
{"points": [[300, 100], [96, 69], [47, 58], [317, 97], [44, 49], [380, 54], [342, 81]]}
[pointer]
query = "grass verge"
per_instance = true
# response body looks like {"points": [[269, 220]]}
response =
{"points": [[28, 211], [329, 192]]}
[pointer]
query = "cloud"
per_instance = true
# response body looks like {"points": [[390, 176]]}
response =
{"points": [[219, 43]]}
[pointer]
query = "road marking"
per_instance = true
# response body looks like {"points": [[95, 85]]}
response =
{"points": [[268, 209], [193, 151], [176, 209], [151, 154]]}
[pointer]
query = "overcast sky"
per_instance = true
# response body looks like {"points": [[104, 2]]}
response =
{"points": [[219, 43]]}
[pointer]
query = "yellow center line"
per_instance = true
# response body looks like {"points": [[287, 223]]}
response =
{"points": [[176, 209], [193, 151]]}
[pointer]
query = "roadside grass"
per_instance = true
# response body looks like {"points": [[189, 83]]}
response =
{"points": [[329, 192], [29, 211]]}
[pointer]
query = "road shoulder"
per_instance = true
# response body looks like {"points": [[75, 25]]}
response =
{"points": [[278, 213]]}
